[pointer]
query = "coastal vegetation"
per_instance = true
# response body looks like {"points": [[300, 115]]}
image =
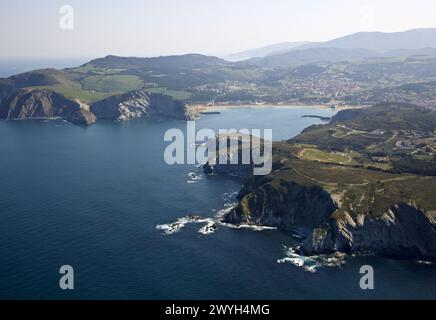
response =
{"points": [[352, 192]]}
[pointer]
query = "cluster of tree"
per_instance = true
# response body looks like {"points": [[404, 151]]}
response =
{"points": [[410, 165]]}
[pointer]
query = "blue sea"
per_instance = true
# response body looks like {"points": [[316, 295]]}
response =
{"points": [[98, 199], [12, 67]]}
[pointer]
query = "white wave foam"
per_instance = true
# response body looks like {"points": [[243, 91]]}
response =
{"points": [[312, 264], [227, 209], [209, 228], [230, 196], [253, 227], [210, 224], [171, 228], [194, 177], [307, 263], [179, 224]]}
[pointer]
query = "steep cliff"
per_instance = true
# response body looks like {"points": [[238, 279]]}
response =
{"points": [[6, 88], [404, 231], [281, 203], [341, 208], [393, 217], [43, 104], [139, 103]]}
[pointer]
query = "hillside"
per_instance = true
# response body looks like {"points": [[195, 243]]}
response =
{"points": [[352, 47], [332, 76], [398, 43], [337, 185], [390, 137], [44, 104], [188, 61], [381, 41], [309, 56], [264, 51]]}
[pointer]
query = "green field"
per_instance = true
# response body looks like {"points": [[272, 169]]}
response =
{"points": [[178, 95], [111, 83], [92, 70], [74, 92], [330, 157]]}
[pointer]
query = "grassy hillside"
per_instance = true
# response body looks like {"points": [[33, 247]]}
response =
{"points": [[209, 80], [362, 182], [111, 83], [87, 83], [390, 137]]}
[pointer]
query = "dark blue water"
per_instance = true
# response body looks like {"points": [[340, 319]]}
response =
{"points": [[92, 198]]}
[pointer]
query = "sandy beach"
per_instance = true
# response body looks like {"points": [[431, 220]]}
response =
{"points": [[198, 109]]}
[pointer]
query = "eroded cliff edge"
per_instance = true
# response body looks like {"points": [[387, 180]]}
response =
{"points": [[337, 199], [43, 104], [392, 216], [140, 103], [34, 103]]}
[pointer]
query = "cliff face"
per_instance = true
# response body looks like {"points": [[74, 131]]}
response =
{"points": [[331, 225], [282, 204], [139, 103], [404, 231], [6, 88], [43, 104], [340, 208]]}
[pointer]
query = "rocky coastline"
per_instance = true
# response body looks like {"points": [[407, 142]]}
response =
{"points": [[337, 208], [402, 231], [22, 104]]}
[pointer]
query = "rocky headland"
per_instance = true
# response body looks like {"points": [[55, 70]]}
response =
{"points": [[21, 104], [338, 202], [43, 104], [140, 103]]}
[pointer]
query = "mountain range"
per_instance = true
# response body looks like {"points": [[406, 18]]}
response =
{"points": [[382, 41], [264, 51], [359, 69], [351, 47]]}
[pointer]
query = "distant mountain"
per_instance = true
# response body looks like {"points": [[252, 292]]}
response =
{"points": [[264, 51], [356, 46], [317, 55], [380, 41], [187, 61], [409, 52], [309, 56], [414, 39]]}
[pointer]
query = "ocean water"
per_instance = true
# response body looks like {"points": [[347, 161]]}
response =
{"points": [[93, 198], [12, 67]]}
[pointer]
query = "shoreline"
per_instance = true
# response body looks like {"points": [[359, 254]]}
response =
{"points": [[217, 107]]}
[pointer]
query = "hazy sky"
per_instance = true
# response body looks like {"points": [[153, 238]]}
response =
{"points": [[30, 29]]}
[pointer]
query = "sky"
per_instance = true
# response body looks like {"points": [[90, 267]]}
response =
{"points": [[96, 28]]}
